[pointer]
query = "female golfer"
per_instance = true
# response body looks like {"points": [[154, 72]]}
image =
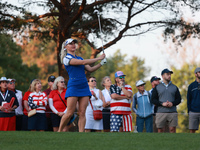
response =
{"points": [[77, 87]]}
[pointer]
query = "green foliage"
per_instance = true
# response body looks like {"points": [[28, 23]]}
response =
{"points": [[12, 65], [134, 69], [182, 78]]}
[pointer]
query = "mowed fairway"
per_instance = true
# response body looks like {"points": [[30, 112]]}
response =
{"points": [[98, 141]]}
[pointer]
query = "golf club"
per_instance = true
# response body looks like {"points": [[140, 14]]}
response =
{"points": [[98, 15]]}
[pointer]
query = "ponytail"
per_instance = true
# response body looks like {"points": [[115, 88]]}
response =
{"points": [[63, 52]]}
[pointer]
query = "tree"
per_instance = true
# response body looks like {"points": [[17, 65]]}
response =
{"points": [[43, 55], [66, 18], [12, 65]]}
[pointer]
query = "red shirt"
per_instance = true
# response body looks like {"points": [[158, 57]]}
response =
{"points": [[25, 98], [57, 102]]}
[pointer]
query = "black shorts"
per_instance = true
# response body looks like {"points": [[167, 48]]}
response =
{"points": [[55, 120], [106, 119]]}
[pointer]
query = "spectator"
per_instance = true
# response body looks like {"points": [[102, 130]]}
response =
{"points": [[57, 103], [26, 108], [143, 108], [154, 82], [166, 96], [91, 124], [193, 102], [106, 83], [48, 110], [77, 87], [7, 114], [121, 95], [37, 100], [19, 109]]}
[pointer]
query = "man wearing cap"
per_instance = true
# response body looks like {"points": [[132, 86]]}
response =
{"points": [[19, 109], [143, 108], [121, 95], [51, 80], [154, 82], [193, 102], [166, 96]]}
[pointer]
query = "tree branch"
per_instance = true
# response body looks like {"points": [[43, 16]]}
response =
{"points": [[76, 16], [56, 4]]}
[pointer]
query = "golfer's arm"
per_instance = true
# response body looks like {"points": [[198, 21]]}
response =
{"points": [[83, 62], [92, 69]]}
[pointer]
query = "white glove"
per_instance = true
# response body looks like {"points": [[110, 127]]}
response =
{"points": [[103, 61]]}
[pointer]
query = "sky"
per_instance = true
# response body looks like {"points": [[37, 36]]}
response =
{"points": [[149, 46]]}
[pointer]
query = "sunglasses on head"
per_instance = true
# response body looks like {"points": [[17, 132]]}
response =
{"points": [[93, 81], [11, 82], [122, 77]]}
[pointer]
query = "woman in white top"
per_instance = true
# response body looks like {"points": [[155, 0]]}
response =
{"points": [[106, 83], [91, 124]]}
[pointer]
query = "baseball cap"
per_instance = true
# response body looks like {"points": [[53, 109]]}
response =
{"points": [[154, 78], [140, 82], [166, 71], [197, 70], [119, 73], [11, 80], [51, 78], [70, 40]]}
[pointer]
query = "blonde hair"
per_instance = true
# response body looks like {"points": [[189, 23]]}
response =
{"points": [[103, 80], [58, 79], [63, 52], [33, 84]]}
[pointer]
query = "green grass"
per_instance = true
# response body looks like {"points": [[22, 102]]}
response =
{"points": [[98, 141]]}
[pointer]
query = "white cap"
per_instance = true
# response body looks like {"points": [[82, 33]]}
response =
{"points": [[140, 82], [70, 40], [9, 79], [3, 79]]}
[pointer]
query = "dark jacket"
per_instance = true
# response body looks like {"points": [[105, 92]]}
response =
{"points": [[193, 97], [7, 98]]}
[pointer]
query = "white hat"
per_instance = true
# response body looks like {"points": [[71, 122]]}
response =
{"points": [[3, 79], [140, 82], [70, 40], [9, 79]]}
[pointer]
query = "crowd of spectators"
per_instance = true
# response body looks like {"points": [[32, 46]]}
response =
{"points": [[155, 109]]}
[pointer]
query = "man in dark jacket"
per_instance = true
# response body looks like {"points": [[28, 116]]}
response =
{"points": [[166, 96], [193, 102]]}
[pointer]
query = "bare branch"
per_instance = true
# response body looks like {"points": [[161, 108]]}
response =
{"points": [[145, 8]]}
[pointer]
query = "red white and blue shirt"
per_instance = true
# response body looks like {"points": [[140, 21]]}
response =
{"points": [[120, 107], [38, 101]]}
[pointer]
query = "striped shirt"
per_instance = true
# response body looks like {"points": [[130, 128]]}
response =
{"points": [[122, 106], [39, 99]]}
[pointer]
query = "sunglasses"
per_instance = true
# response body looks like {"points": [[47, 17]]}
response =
{"points": [[93, 81], [122, 77], [11, 82], [72, 43], [62, 81]]}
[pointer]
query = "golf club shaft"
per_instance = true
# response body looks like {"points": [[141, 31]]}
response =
{"points": [[98, 15]]}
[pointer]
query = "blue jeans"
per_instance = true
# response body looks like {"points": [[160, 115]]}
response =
{"points": [[148, 121]]}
